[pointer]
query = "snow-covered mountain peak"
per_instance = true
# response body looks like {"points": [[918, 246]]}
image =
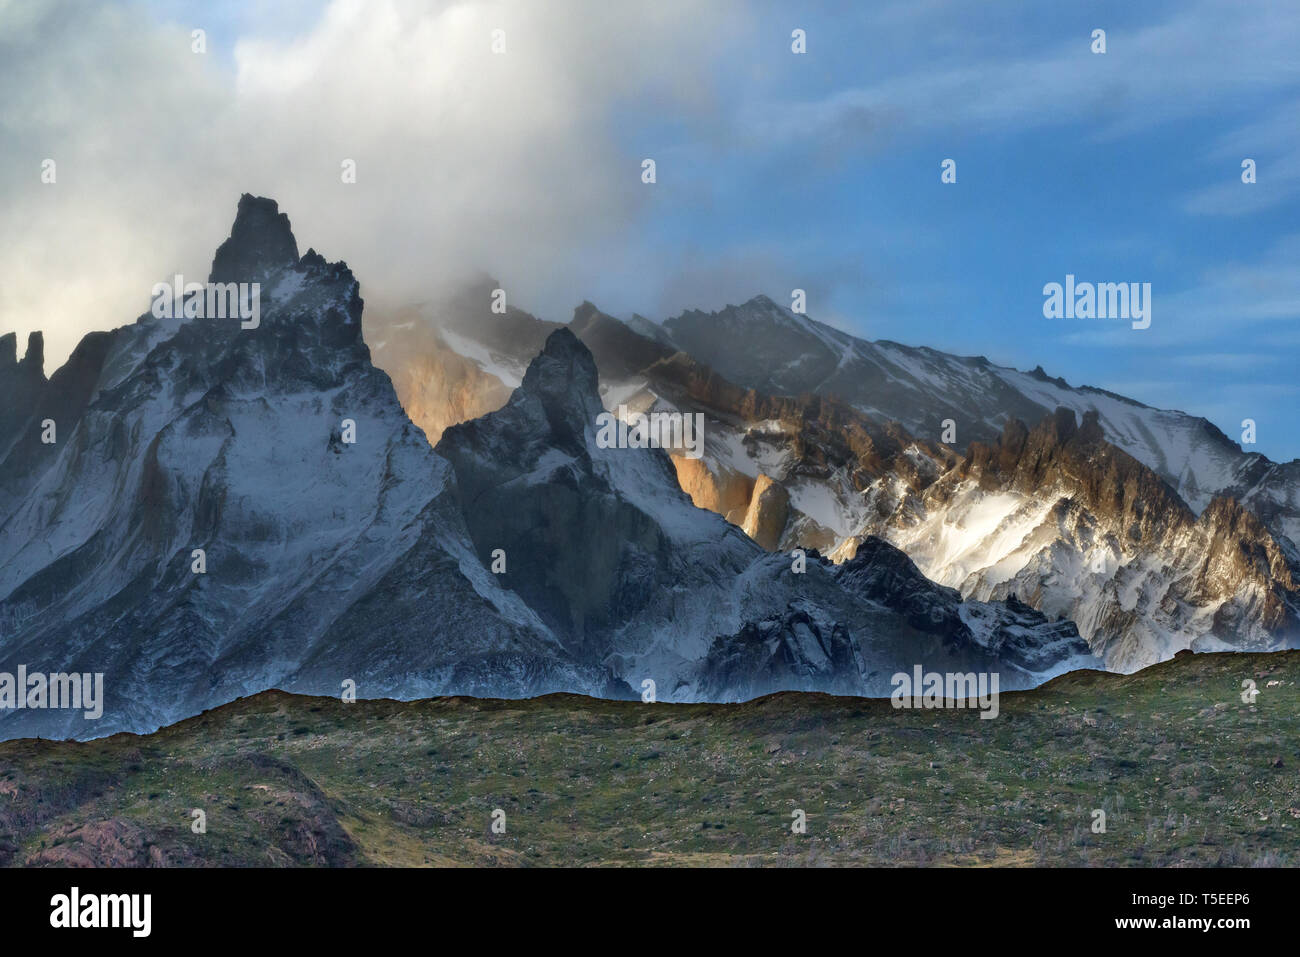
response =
{"points": [[760, 315], [761, 345]]}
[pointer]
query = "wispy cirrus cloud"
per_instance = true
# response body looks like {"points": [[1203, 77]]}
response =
{"points": [[1273, 144], [1202, 56]]}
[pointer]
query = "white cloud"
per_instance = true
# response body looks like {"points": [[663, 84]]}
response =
{"points": [[466, 159]]}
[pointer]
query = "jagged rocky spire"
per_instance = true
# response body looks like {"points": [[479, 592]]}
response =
{"points": [[261, 241], [34, 358]]}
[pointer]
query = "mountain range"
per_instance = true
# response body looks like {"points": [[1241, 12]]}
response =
{"points": [[200, 511], [1148, 528]]}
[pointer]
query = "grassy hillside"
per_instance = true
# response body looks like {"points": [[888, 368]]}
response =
{"points": [[1186, 773]]}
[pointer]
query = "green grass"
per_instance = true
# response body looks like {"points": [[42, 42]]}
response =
{"points": [[1187, 774]]}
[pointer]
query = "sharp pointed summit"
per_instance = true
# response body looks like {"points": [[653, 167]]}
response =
{"points": [[261, 241]]}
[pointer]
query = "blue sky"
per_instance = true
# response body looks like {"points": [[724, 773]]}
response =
{"points": [[819, 171], [1113, 172]]}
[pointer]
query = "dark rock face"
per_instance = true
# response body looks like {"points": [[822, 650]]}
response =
{"points": [[759, 345], [1017, 635], [619, 352], [793, 651], [33, 400], [882, 573], [260, 242], [532, 482], [847, 629], [21, 383]]}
